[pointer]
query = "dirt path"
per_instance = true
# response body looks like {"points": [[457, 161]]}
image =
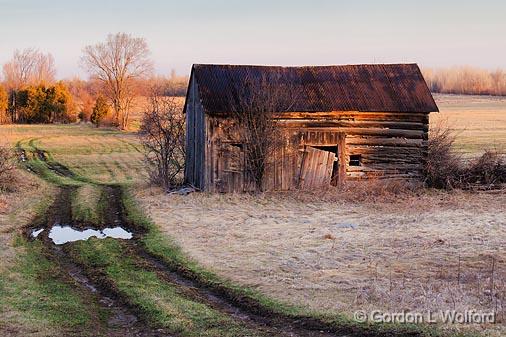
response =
{"points": [[124, 319]]}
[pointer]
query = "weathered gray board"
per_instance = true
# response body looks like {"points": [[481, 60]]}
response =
{"points": [[316, 168]]}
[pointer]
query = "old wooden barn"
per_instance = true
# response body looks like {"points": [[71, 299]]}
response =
{"points": [[345, 122]]}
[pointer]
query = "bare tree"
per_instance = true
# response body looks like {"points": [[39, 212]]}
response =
{"points": [[118, 63], [258, 102], [29, 66], [45, 70], [466, 80], [163, 136]]}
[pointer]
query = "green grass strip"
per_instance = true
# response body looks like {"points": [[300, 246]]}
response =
{"points": [[158, 301], [85, 204], [37, 293], [34, 289]]}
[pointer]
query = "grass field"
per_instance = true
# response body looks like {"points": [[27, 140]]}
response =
{"points": [[104, 155], [433, 251], [35, 298], [430, 252], [56, 300], [478, 122], [337, 255]]}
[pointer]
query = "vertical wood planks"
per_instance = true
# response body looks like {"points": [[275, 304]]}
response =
{"points": [[316, 168]]}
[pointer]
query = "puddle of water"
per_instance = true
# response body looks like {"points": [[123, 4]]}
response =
{"points": [[63, 234], [36, 232]]}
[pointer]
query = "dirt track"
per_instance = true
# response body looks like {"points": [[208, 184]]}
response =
{"points": [[125, 319]]}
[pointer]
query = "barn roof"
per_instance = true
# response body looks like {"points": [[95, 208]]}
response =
{"points": [[365, 87]]}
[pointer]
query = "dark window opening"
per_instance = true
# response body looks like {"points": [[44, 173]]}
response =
{"points": [[355, 160], [239, 145], [331, 148]]}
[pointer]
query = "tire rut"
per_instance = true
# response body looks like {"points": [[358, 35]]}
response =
{"points": [[253, 318], [126, 319], [122, 320]]}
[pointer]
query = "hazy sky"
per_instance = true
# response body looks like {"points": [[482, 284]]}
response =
{"points": [[179, 33]]}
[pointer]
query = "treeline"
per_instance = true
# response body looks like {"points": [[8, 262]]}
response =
{"points": [[41, 104], [86, 94], [30, 93], [466, 81]]}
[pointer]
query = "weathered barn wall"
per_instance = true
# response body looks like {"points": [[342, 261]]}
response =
{"points": [[388, 145], [195, 138], [354, 122]]}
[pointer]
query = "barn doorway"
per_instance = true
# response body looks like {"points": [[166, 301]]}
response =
{"points": [[335, 167], [319, 167]]}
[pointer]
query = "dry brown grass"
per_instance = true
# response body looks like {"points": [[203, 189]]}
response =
{"points": [[7, 168], [340, 255], [17, 208], [478, 121]]}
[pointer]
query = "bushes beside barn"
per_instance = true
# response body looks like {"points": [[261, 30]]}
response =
{"points": [[446, 169]]}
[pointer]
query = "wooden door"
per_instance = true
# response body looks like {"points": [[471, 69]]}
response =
{"points": [[230, 162], [316, 168]]}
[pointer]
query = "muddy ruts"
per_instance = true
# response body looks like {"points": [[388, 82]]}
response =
{"points": [[220, 298], [114, 212], [102, 289], [123, 320]]}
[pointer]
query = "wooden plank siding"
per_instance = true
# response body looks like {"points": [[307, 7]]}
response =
{"points": [[316, 168], [373, 118], [390, 145], [195, 139]]}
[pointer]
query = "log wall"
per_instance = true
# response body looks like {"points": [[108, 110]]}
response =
{"points": [[389, 145]]}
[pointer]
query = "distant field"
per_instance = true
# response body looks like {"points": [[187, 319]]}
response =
{"points": [[105, 155], [427, 251], [109, 155], [139, 107], [479, 121]]}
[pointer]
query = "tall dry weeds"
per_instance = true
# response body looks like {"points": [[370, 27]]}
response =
{"points": [[447, 169], [370, 190], [7, 168]]}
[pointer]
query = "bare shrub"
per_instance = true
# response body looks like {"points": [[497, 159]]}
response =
{"points": [[443, 168], [7, 166], [258, 102], [487, 170], [446, 169], [162, 133]]}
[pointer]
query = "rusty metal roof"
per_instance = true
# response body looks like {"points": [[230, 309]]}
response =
{"points": [[365, 87]]}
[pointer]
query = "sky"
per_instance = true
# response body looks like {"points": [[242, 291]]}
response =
{"points": [[319, 32]]}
